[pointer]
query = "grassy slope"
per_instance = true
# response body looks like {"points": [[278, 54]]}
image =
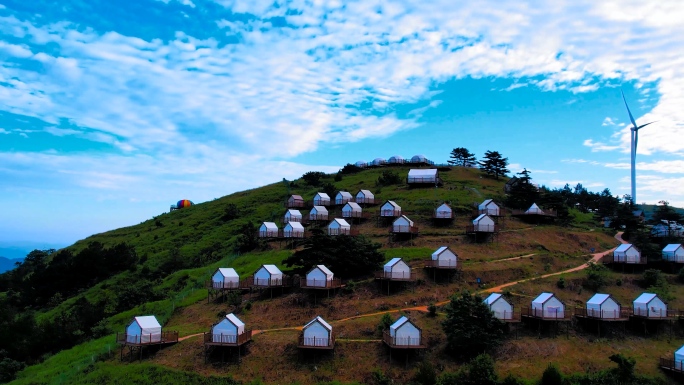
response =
{"points": [[554, 249]]}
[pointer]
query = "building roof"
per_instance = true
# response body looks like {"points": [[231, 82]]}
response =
{"points": [[486, 202], [297, 197], [543, 297], [228, 272], [401, 321], [645, 298], [295, 225], [422, 172], [354, 206], [680, 351], [234, 320], [319, 320], [272, 269], [294, 213], [418, 158], [638, 213], [672, 247], [392, 262], [623, 247], [324, 269], [378, 160], [341, 222], [439, 251], [534, 207], [444, 205], [598, 299], [323, 195], [410, 222], [321, 209], [344, 194], [396, 206], [397, 157], [479, 218], [365, 193], [147, 321], [270, 225]]}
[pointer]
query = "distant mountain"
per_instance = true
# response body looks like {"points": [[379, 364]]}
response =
{"points": [[7, 264]]}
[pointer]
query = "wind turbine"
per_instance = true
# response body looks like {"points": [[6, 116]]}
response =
{"points": [[634, 135]]}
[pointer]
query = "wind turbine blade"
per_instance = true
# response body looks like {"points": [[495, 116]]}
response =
{"points": [[628, 111], [644, 125]]}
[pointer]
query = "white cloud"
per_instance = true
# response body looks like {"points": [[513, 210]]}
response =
{"points": [[599, 146], [608, 121], [3, 131]]}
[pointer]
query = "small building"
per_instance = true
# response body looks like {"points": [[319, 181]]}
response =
{"points": [[482, 224], [404, 334], [365, 196], [225, 278], [679, 359], [640, 215], [268, 230], [498, 305], [403, 225], [317, 334], [534, 210], [227, 330], [343, 197], [547, 306], [674, 253], [423, 176], [293, 230], [649, 305], [627, 253], [397, 270], [321, 199], [390, 209], [378, 162], [144, 330], [295, 201], [352, 210], [268, 276], [511, 183], [419, 159], [603, 306], [319, 276], [444, 211], [339, 226], [396, 159], [361, 164], [318, 213], [489, 207], [292, 215], [444, 258]]}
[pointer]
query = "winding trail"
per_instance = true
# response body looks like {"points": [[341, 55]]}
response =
{"points": [[596, 257]]}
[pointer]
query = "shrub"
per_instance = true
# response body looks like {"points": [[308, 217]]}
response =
{"points": [[680, 275], [350, 169], [470, 326], [652, 277], [388, 178], [596, 276], [432, 310], [385, 322], [313, 178], [551, 376], [561, 283], [426, 374]]}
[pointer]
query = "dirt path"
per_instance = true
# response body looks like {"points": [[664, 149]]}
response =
{"points": [[512, 259]]}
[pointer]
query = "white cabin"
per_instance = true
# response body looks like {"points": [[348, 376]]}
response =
{"points": [[674, 253], [534, 209], [603, 306], [351, 210], [546, 305], [317, 333], [295, 201], [318, 213], [444, 211], [484, 224], [444, 257], [365, 196], [679, 359], [339, 226], [378, 162], [402, 225], [144, 330], [225, 278], [649, 305], [227, 330], [361, 164], [405, 333], [343, 197], [489, 207], [268, 230], [396, 268], [321, 199], [396, 159], [292, 215], [498, 305], [319, 276], [627, 253], [421, 175], [419, 159], [293, 230], [390, 209], [268, 275]]}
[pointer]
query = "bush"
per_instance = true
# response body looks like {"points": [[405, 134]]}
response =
{"points": [[313, 178], [470, 326], [551, 376], [652, 277], [432, 310], [388, 178], [596, 276], [561, 283], [350, 169], [426, 374], [680, 275], [385, 322]]}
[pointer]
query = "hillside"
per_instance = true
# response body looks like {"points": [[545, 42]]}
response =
{"points": [[177, 252]]}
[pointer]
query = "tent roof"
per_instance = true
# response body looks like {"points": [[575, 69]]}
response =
{"points": [[645, 298], [323, 195], [272, 269], [444, 205], [324, 269], [598, 299], [396, 157], [228, 272], [319, 320], [321, 209], [353, 205], [479, 218], [342, 222], [492, 298], [672, 247], [487, 201], [392, 262], [295, 225], [534, 207], [422, 172], [680, 350], [234, 320], [439, 251], [297, 197], [345, 194], [410, 222], [623, 247], [147, 321], [365, 192], [294, 212], [418, 157], [401, 321], [270, 225], [543, 297], [396, 206]]}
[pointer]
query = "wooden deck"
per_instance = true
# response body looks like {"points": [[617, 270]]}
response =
{"points": [[546, 316], [390, 213], [432, 181], [350, 232], [402, 343], [400, 229], [286, 281], [473, 229], [316, 343], [242, 284], [671, 365], [508, 316], [388, 276], [617, 315], [611, 260], [368, 201], [356, 214], [227, 340], [655, 315], [170, 337], [320, 284], [448, 265]]}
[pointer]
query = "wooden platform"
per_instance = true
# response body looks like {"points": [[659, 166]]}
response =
{"points": [[618, 316], [241, 339], [482, 229], [433, 264], [316, 343], [395, 343], [540, 315], [671, 366], [335, 283], [388, 276]]}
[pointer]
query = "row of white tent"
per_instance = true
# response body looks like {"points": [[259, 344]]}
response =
{"points": [[628, 253], [337, 226], [342, 197], [602, 306], [228, 278], [396, 159]]}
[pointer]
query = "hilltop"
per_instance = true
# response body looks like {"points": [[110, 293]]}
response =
{"points": [[172, 255]]}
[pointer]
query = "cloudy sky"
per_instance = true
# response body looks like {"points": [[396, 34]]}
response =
{"points": [[111, 111]]}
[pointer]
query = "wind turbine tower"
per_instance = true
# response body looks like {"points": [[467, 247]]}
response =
{"points": [[634, 135]]}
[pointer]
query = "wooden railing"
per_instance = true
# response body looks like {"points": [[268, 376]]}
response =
{"points": [[321, 202], [291, 219], [482, 229], [271, 234], [351, 232], [320, 283], [440, 264], [225, 285], [547, 315], [602, 314], [624, 259], [423, 180], [490, 212], [314, 342], [367, 201], [507, 315], [670, 364], [343, 201], [272, 282], [404, 229], [395, 276], [294, 234], [318, 217], [390, 213], [404, 343], [295, 204], [655, 313], [227, 339], [544, 212], [443, 214], [147, 339], [355, 214]]}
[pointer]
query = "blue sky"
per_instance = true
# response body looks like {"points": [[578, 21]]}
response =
{"points": [[111, 111]]}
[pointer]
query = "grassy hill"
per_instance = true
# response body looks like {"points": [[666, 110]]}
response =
{"points": [[179, 250]]}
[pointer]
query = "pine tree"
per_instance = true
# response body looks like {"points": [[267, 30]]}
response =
{"points": [[460, 156], [470, 326], [494, 164]]}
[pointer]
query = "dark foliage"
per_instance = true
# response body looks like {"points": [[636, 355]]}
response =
{"points": [[247, 239], [388, 178], [551, 376], [494, 164], [350, 169], [596, 276], [460, 156], [230, 212], [665, 212], [470, 326], [313, 178], [523, 193]]}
